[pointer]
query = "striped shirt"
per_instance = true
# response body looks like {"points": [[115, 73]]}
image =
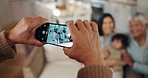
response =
{"points": [[6, 50]]}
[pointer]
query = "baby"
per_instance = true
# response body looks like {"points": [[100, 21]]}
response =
{"points": [[115, 54]]}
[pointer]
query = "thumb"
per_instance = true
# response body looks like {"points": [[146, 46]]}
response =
{"points": [[66, 51], [37, 43]]}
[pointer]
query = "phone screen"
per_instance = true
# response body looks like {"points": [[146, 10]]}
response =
{"points": [[56, 34]]}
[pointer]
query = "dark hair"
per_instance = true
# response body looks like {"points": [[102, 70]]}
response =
{"points": [[100, 22], [124, 39]]}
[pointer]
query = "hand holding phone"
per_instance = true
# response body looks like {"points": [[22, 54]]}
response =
{"points": [[86, 44], [55, 34]]}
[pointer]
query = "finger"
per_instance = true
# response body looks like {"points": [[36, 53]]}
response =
{"points": [[32, 16], [80, 25], [39, 17], [37, 43], [73, 29], [27, 19], [46, 19], [94, 26], [66, 51], [38, 23], [87, 25]]}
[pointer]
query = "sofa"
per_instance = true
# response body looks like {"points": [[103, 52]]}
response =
{"points": [[50, 62], [12, 68]]}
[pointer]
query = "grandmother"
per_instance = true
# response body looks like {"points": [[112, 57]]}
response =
{"points": [[138, 49]]}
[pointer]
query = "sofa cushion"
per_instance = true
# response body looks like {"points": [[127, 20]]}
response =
{"points": [[34, 63], [61, 69]]}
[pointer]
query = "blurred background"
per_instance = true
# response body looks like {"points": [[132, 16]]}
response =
{"points": [[13, 10], [53, 63]]}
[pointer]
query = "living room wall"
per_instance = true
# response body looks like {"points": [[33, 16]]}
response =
{"points": [[11, 11]]}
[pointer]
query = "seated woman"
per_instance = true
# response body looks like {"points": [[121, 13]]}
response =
{"points": [[138, 49], [115, 55], [106, 25]]}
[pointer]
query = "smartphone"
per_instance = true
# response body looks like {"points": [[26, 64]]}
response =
{"points": [[55, 34]]}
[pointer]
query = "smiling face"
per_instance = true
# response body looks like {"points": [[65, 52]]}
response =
{"points": [[108, 25], [137, 28]]}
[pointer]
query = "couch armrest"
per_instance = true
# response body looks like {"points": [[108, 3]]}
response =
{"points": [[34, 63]]}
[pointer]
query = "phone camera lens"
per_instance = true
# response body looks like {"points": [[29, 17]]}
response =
{"points": [[42, 38], [43, 32]]}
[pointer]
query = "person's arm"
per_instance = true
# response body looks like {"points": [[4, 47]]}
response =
{"points": [[22, 33], [7, 49], [141, 68], [126, 58], [95, 71], [105, 54], [110, 62], [86, 49]]}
